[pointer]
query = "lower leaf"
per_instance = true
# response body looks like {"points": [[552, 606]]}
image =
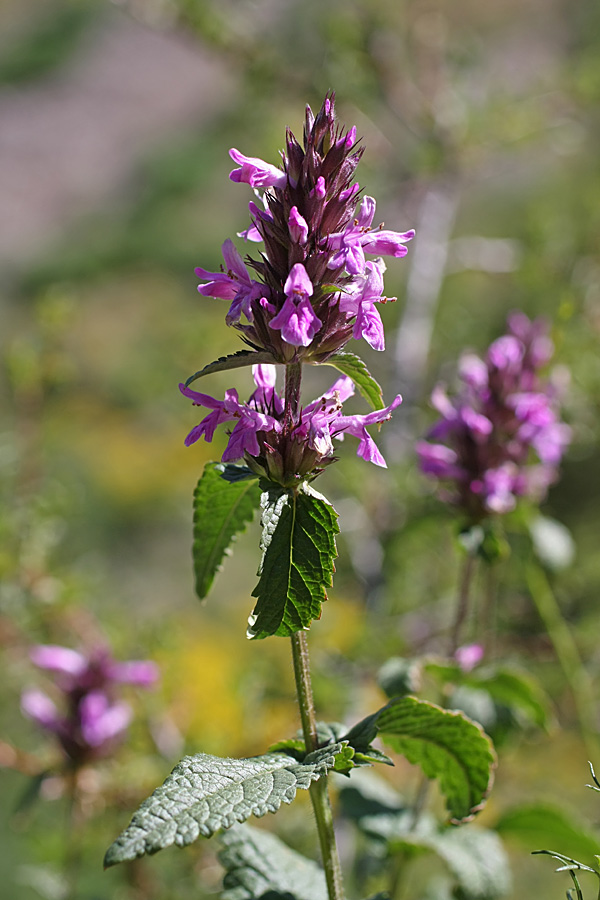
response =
{"points": [[205, 794], [259, 864]]}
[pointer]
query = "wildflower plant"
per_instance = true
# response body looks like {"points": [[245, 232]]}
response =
{"points": [[91, 719], [315, 285]]}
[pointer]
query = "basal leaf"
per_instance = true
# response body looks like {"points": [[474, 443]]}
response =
{"points": [[233, 361], [205, 794], [298, 545], [445, 743], [222, 509], [259, 864], [352, 365]]}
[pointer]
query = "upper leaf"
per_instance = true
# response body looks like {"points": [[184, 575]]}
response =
{"points": [[259, 864], [352, 365], [445, 743], [233, 361], [298, 544], [204, 794], [222, 509]]}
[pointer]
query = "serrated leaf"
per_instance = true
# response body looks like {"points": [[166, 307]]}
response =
{"points": [[259, 864], [445, 743], [233, 361], [298, 544], [233, 472], [542, 824], [372, 755], [508, 686], [205, 794], [352, 365], [222, 509]]}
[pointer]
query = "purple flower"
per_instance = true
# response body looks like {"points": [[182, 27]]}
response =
{"points": [[256, 172], [468, 656], [357, 427], [248, 420], [93, 718], [306, 445], [298, 227], [313, 255], [297, 320], [360, 303], [501, 437], [233, 284], [350, 244]]}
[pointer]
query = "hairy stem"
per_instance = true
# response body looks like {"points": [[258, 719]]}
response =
{"points": [[319, 794], [293, 378]]}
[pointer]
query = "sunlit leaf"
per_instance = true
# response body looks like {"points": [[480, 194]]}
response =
{"points": [[222, 509], [298, 544], [445, 743], [205, 794], [233, 361]]}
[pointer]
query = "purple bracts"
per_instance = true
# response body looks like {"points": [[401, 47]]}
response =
{"points": [[312, 289], [500, 437]]}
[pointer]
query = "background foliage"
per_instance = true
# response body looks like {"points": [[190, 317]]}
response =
{"points": [[481, 125]]}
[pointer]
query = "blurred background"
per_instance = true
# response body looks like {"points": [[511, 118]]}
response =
{"points": [[481, 125]]}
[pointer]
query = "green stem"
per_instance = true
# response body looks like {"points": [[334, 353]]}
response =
{"points": [[319, 794], [293, 378], [462, 608], [566, 650]]}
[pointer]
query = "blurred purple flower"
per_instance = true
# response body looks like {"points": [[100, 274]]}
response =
{"points": [[500, 436], [468, 656], [91, 719]]}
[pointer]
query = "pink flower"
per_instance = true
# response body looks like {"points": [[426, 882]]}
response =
{"points": [[296, 319], [93, 719], [256, 172]]}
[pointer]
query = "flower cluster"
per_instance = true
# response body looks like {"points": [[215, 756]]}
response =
{"points": [[281, 451], [500, 438], [314, 289], [93, 720]]}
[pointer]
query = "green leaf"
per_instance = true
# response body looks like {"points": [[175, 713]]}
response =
{"points": [[259, 864], [445, 743], [509, 686], [352, 365], [543, 824], [233, 361], [399, 676], [205, 794], [222, 509], [298, 544], [477, 860]]}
